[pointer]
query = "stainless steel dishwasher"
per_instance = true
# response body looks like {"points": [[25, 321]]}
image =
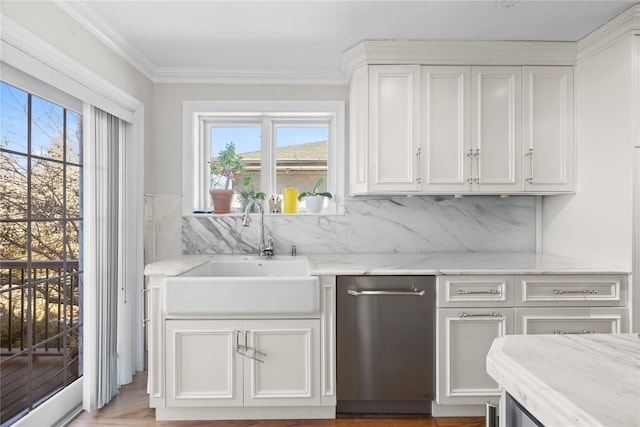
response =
{"points": [[385, 344]]}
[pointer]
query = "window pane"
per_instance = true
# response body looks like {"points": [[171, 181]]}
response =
{"points": [[14, 238], [74, 175], [13, 186], [47, 189], [47, 242], [13, 122], [73, 241], [74, 136], [47, 130], [247, 143], [301, 157]]}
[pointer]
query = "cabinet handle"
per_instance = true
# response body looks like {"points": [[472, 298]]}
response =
{"points": [[487, 292], [491, 314], [529, 154], [418, 160], [584, 331], [245, 350], [412, 293], [582, 291]]}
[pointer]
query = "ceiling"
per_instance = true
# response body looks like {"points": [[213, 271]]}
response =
{"points": [[294, 41]]}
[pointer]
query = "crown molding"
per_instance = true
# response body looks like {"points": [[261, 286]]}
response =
{"points": [[445, 52], [249, 76], [101, 29], [104, 32], [27, 52], [624, 25]]}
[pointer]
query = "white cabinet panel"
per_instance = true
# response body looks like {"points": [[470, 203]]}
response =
{"points": [[445, 110], [358, 131], [496, 128], [571, 320], [465, 337], [394, 127], [202, 366], [279, 367], [475, 291], [548, 128], [571, 290], [289, 373]]}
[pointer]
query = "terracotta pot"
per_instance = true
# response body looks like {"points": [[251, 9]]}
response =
{"points": [[221, 200]]}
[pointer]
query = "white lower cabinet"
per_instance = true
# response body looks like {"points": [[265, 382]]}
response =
{"points": [[465, 336], [473, 310], [234, 363]]}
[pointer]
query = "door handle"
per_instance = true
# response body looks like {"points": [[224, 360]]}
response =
{"points": [[412, 293]]}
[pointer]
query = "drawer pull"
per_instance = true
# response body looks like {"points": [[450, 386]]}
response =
{"points": [[584, 331], [583, 291], [491, 314], [488, 292], [411, 293]]}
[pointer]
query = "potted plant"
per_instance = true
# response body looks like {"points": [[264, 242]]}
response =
{"points": [[314, 199], [222, 169], [248, 191]]}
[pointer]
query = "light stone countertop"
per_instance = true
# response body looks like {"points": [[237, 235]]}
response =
{"points": [[413, 264], [571, 380]]}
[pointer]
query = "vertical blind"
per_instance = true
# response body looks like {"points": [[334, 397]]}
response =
{"points": [[109, 140]]}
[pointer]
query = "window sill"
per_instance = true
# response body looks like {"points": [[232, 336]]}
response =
{"points": [[267, 214]]}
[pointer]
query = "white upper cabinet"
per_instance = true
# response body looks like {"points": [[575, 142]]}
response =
{"points": [[445, 140], [394, 128], [496, 129], [471, 129], [548, 129], [462, 129]]}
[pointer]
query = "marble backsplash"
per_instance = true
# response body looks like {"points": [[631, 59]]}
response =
{"points": [[372, 225]]}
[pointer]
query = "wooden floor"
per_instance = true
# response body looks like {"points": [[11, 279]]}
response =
{"points": [[131, 408]]}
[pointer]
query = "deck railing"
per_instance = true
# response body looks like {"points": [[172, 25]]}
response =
{"points": [[39, 316]]}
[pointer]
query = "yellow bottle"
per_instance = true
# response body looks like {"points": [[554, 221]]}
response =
{"points": [[290, 200]]}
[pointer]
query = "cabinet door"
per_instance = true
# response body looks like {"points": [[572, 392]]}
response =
{"points": [[289, 373], [358, 131], [464, 338], [548, 129], [445, 106], [202, 366], [394, 127], [575, 320], [496, 129]]}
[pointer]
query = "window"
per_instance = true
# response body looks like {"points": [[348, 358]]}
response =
{"points": [[41, 252], [282, 144]]}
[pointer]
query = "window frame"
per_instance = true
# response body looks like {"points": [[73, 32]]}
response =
{"points": [[58, 272], [197, 119]]}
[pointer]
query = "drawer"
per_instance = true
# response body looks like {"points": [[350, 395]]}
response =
{"points": [[475, 291], [595, 320], [571, 290]]}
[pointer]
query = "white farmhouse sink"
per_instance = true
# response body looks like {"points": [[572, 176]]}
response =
{"points": [[243, 285], [251, 266]]}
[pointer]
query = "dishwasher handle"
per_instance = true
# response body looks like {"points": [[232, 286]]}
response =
{"points": [[411, 293]]}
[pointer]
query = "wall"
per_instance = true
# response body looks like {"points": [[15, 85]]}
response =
{"points": [[370, 225], [166, 157], [596, 223], [392, 224], [47, 21]]}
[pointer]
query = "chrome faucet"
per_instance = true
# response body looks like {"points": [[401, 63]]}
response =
{"points": [[264, 249]]}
